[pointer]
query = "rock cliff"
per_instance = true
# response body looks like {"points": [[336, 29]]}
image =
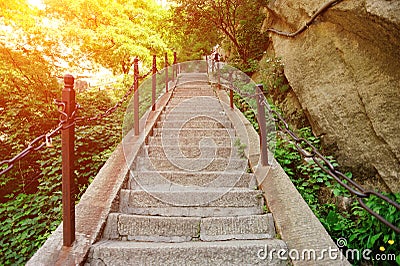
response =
{"points": [[345, 71]]}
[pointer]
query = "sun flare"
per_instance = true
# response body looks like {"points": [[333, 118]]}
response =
{"points": [[36, 3]]}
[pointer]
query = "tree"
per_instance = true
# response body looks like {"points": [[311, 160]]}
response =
{"points": [[27, 89], [112, 33], [193, 40], [238, 20]]}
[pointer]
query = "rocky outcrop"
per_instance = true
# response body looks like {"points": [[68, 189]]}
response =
{"points": [[345, 71]]}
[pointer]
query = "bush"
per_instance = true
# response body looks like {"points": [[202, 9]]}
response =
{"points": [[28, 219], [360, 229]]}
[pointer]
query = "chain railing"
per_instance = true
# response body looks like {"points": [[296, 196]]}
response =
{"points": [[303, 146], [35, 145], [68, 109], [307, 24]]}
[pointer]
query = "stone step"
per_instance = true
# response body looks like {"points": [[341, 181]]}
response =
{"points": [[191, 88], [196, 201], [239, 252], [193, 76], [190, 165], [202, 179], [188, 94], [237, 227], [194, 132], [185, 107], [194, 92], [192, 79], [151, 228], [179, 119], [203, 115], [194, 111], [185, 84], [195, 123], [190, 151], [128, 227], [191, 96], [223, 141]]}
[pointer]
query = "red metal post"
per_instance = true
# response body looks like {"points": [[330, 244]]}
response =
{"points": [[136, 96], [153, 84], [67, 151], [207, 63], [262, 125], [166, 72], [175, 72], [231, 90], [218, 72], [231, 98]]}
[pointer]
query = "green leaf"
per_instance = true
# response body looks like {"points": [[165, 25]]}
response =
{"points": [[374, 238]]}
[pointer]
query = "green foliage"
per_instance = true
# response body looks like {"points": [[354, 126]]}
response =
{"points": [[237, 21], [240, 147], [246, 109], [361, 230], [249, 67], [28, 219], [193, 39], [271, 71], [27, 89], [111, 33]]}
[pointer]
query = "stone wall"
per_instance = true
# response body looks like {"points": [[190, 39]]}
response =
{"points": [[345, 72]]}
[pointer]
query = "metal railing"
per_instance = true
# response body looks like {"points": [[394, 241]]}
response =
{"points": [[308, 23], [68, 109], [302, 145]]}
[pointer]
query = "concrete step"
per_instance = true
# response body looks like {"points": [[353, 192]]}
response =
{"points": [[200, 96], [193, 77], [237, 227], [151, 228], [202, 202], [194, 88], [191, 88], [240, 252], [203, 115], [195, 111], [203, 99], [190, 151], [202, 179], [198, 110], [190, 165], [129, 227], [195, 132], [201, 85], [195, 123], [197, 80], [224, 141], [194, 92], [186, 107]]}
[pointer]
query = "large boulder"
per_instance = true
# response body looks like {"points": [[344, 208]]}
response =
{"points": [[345, 72]]}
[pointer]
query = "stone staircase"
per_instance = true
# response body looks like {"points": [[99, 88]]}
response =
{"points": [[190, 199]]}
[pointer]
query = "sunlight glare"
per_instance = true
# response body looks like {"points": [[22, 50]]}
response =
{"points": [[36, 3]]}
